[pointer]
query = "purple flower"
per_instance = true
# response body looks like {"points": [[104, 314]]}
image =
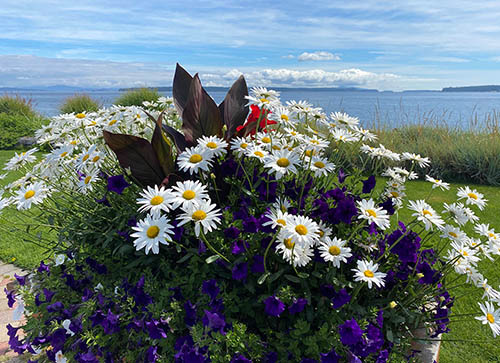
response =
{"points": [[140, 297], [340, 298], [55, 307], [350, 332], [239, 246], [210, 288], [368, 184], [274, 306], [271, 357], [388, 205], [88, 357], [342, 176], [330, 357], [111, 323], [48, 295], [201, 247], [231, 233], [214, 321], [190, 318], [258, 264], [11, 298], [57, 339], [240, 271], [250, 224], [21, 279], [297, 306], [43, 267], [96, 266], [117, 184], [239, 358], [155, 330], [104, 201], [382, 357], [152, 355]]}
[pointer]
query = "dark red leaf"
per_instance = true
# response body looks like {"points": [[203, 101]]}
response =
{"points": [[233, 109], [137, 154], [201, 117], [180, 89], [179, 140]]}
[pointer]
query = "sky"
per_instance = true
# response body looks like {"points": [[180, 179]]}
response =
{"points": [[387, 45]]}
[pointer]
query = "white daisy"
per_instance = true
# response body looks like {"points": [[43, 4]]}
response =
{"points": [[86, 183], [451, 232], [213, 144], [343, 135], [426, 214], [239, 145], [321, 166], [282, 162], [471, 196], [373, 214], [490, 317], [367, 271], [31, 194], [152, 231], [204, 215], [334, 250], [292, 252], [187, 193], [194, 159], [437, 183], [60, 358], [283, 115], [21, 159], [344, 119], [282, 204], [302, 230], [416, 158], [256, 152], [278, 219], [154, 200]]}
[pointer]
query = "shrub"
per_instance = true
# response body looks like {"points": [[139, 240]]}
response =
{"points": [[17, 119], [79, 103], [135, 97]]}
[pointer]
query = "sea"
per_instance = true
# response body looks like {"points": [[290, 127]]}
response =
{"points": [[464, 110]]}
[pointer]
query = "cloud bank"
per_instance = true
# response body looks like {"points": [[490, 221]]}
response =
{"points": [[318, 56]]}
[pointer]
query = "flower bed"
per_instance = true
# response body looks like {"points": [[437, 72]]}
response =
{"points": [[228, 234]]}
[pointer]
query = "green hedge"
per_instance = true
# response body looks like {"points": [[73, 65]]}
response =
{"points": [[79, 103], [135, 97]]}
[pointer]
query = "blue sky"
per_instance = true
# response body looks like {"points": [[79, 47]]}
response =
{"points": [[390, 44]]}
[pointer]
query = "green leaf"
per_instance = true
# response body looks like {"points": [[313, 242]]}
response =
{"points": [[292, 278], [303, 275], [200, 117], [233, 109], [180, 89], [390, 336], [137, 154], [186, 257], [263, 278], [275, 275], [212, 259]]}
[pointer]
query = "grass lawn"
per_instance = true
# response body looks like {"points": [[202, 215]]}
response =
{"points": [[468, 341]]}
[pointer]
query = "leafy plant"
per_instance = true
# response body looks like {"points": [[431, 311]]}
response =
{"points": [[135, 97], [79, 104]]}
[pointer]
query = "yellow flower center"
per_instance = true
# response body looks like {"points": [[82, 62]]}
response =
{"points": [[188, 194], [425, 212], [316, 142], [244, 145], [369, 273], [93, 123], [64, 154], [266, 140], [195, 158], [284, 117], [321, 233], [85, 157], [281, 221], [264, 100], [301, 229], [211, 145], [153, 231], [283, 162], [465, 253], [73, 142], [276, 147], [472, 195], [319, 164], [112, 122], [453, 234], [372, 213], [293, 133], [490, 318], [259, 154], [156, 200], [80, 115], [87, 179], [288, 243], [199, 215], [491, 235], [29, 194], [96, 158], [310, 153], [334, 251]]}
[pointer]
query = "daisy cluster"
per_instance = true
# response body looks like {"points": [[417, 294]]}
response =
{"points": [[263, 227]]}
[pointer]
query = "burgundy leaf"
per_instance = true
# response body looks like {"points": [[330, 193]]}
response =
{"points": [[179, 140], [180, 89], [233, 109], [200, 117], [137, 154]]}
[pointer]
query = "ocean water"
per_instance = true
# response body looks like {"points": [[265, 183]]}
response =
{"points": [[393, 109]]}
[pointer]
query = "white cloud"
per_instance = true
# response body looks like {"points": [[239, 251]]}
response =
{"points": [[289, 56], [318, 56]]}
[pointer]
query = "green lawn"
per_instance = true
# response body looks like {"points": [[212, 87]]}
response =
{"points": [[468, 341]]}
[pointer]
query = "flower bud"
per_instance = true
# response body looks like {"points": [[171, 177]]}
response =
{"points": [[420, 275], [393, 304]]}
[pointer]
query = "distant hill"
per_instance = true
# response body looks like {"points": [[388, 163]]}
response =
{"points": [[280, 89], [490, 88]]}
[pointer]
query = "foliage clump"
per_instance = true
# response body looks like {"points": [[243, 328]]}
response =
{"points": [[135, 97], [79, 103]]}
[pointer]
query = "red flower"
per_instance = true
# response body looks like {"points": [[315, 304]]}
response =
{"points": [[253, 118]]}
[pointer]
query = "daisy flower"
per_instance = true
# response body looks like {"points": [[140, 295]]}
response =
{"points": [[344, 119], [367, 271], [293, 253], [437, 183], [343, 135], [416, 158], [186, 194], [471, 196], [86, 183], [453, 233], [321, 166], [490, 316], [85, 158], [31, 194], [426, 214], [293, 134], [277, 218], [373, 214], [213, 144], [302, 230], [18, 160], [203, 215], [282, 204], [334, 250], [256, 152], [152, 231], [154, 200], [317, 143], [282, 162], [282, 115], [194, 159], [300, 106], [239, 145], [364, 134], [324, 232]]}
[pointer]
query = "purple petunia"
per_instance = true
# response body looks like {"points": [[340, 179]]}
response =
{"points": [[155, 330], [368, 184], [274, 306], [297, 306], [21, 279], [214, 321], [258, 264], [330, 357], [43, 267], [240, 271], [240, 358], [117, 184], [11, 298], [350, 332], [340, 299], [210, 288]]}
